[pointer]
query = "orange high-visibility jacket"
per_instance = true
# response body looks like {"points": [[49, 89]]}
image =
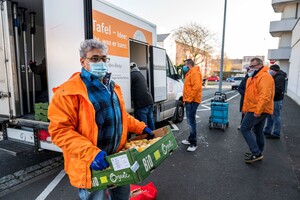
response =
{"points": [[259, 93], [192, 90], [73, 128]]}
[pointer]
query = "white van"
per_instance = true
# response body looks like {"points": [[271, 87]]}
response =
{"points": [[53, 30]]}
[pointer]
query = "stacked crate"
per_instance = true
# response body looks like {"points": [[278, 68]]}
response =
{"points": [[41, 112]]}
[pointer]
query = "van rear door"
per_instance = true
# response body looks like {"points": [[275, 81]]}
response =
{"points": [[8, 81], [158, 72]]}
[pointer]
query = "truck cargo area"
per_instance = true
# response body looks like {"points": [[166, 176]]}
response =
{"points": [[22, 35], [41, 42]]}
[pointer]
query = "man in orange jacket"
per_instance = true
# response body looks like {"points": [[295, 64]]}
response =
{"points": [[258, 105], [88, 121], [192, 96]]}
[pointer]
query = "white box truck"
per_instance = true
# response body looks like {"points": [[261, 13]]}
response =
{"points": [[53, 29]]}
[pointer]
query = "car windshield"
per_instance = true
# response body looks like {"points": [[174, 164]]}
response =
{"points": [[238, 78]]}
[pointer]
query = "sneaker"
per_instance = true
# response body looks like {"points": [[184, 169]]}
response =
{"points": [[253, 158], [274, 137], [185, 142], [239, 127], [267, 135], [247, 154], [192, 148]]}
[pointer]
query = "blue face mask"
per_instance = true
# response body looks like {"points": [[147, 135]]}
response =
{"points": [[185, 69], [98, 69], [271, 72], [251, 72]]}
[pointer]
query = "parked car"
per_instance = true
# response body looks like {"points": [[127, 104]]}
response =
{"points": [[213, 78], [235, 83], [229, 79]]}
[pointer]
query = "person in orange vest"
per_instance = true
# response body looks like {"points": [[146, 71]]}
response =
{"points": [[192, 96], [258, 105], [88, 121]]}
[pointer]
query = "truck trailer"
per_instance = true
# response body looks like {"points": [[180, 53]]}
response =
{"points": [[50, 32]]}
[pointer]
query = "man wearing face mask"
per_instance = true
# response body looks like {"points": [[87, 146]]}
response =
{"points": [[275, 120], [185, 70], [192, 96], [88, 121], [258, 105]]}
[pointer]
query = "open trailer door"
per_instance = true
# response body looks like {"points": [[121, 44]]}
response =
{"points": [[158, 73], [7, 65]]}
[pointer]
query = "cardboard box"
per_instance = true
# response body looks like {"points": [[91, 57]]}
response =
{"points": [[132, 166]]}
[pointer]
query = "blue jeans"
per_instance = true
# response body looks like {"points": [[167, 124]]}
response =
{"points": [[274, 120], [117, 193], [191, 109], [145, 114], [254, 125]]}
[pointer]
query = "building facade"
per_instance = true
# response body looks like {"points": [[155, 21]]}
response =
{"points": [[288, 51], [177, 54]]}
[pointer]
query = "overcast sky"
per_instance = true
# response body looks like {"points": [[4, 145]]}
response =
{"points": [[247, 21]]}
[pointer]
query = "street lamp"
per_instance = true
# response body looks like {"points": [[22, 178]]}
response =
{"points": [[222, 51]]}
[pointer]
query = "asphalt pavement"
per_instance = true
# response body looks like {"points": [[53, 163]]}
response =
{"points": [[216, 170]]}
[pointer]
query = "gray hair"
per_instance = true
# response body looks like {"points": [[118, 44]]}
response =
{"points": [[89, 45], [258, 61]]}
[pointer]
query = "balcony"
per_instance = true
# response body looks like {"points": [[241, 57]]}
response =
{"points": [[279, 54], [278, 5], [284, 25]]}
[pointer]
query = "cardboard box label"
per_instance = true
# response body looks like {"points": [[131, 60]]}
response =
{"points": [[135, 166], [157, 155], [103, 179], [120, 162], [166, 147], [118, 177], [147, 162]]}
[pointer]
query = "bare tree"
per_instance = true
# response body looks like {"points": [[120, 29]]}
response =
{"points": [[215, 63], [196, 42]]}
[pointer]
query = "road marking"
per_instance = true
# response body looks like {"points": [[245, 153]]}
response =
{"points": [[206, 107], [51, 186], [196, 117], [173, 126], [204, 104], [233, 97]]}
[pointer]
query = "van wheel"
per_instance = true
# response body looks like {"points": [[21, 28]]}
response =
{"points": [[179, 113]]}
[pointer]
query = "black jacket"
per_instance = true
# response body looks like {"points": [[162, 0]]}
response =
{"points": [[139, 90], [279, 80], [242, 89]]}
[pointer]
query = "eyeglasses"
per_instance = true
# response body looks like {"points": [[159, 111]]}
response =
{"points": [[252, 66], [98, 59]]}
